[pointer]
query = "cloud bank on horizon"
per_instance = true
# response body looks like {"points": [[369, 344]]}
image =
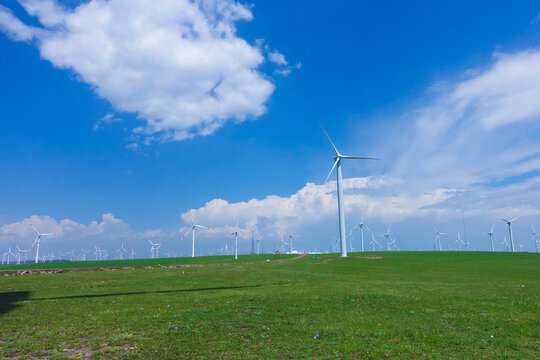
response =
{"points": [[178, 64]]}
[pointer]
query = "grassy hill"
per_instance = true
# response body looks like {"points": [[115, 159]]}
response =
{"points": [[427, 305]]}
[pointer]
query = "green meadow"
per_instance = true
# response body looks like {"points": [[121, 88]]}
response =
{"points": [[405, 305]]}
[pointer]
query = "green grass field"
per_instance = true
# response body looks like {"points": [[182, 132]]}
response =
{"points": [[407, 305]]}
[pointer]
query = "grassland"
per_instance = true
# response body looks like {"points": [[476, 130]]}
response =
{"points": [[407, 305]]}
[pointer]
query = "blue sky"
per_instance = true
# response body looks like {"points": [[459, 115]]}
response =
{"points": [[214, 105]]}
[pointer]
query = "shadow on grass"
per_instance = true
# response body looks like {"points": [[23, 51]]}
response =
{"points": [[9, 301], [145, 292]]}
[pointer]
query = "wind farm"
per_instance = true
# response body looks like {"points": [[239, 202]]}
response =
{"points": [[218, 179]]}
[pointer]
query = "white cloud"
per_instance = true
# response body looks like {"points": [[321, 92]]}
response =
{"points": [[277, 58], [110, 228], [178, 64], [277, 214], [107, 119]]}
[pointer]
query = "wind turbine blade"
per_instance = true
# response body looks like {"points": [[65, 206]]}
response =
{"points": [[183, 236], [517, 217], [33, 227], [358, 157], [335, 149], [333, 167]]}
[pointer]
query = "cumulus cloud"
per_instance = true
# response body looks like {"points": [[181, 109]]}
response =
{"points": [[110, 228], [277, 215], [178, 64]]}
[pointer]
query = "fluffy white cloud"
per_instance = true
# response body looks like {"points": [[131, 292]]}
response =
{"points": [[110, 228], [277, 58], [276, 215], [178, 64]]}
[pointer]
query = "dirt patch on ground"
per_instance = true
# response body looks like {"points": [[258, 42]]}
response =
{"points": [[59, 271], [370, 257]]}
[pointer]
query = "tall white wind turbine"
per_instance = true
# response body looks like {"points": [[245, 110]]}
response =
{"points": [[509, 223], [38, 240], [438, 237], [132, 254], [491, 236], [341, 210], [192, 229]]}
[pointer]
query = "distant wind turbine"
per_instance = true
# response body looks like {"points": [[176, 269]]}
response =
{"points": [[122, 251], [341, 210], [290, 236], [438, 237], [192, 229], [387, 237], [154, 249], [362, 226], [236, 234], [491, 237], [509, 223]]}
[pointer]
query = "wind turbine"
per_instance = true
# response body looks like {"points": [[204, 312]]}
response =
{"points": [[387, 236], [52, 257], [438, 237], [192, 229], [38, 240], [509, 223], [97, 253], [361, 225], [350, 238], [236, 234], [291, 235], [122, 251], [259, 245], [18, 255], [535, 238], [154, 250], [83, 254], [458, 240], [491, 236], [132, 254], [341, 211], [6, 256], [505, 243], [283, 244], [72, 254]]}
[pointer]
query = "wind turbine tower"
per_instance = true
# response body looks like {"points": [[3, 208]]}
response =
{"points": [[509, 223], [341, 210]]}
